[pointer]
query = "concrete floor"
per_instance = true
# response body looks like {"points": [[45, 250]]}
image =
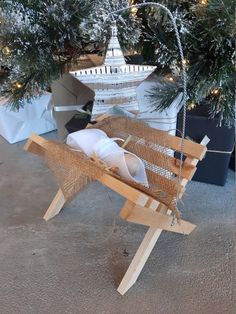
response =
{"points": [[73, 263]]}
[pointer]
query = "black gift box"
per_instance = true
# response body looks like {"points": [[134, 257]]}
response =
{"points": [[232, 161], [80, 120], [214, 167]]}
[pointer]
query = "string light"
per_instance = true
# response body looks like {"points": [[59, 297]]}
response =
{"points": [[18, 85], [215, 91], [185, 61], [192, 105], [170, 78], [204, 2], [134, 11], [6, 50]]}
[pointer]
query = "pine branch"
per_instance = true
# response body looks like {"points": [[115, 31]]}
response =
{"points": [[164, 93]]}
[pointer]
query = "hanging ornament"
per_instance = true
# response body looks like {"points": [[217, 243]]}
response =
{"points": [[114, 82]]}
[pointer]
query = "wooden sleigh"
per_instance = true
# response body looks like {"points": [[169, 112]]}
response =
{"points": [[141, 206]]}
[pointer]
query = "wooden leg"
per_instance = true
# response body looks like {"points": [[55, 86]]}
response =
{"points": [[149, 240], [56, 206], [141, 255]]}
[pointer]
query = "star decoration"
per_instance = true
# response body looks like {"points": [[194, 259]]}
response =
{"points": [[114, 82]]}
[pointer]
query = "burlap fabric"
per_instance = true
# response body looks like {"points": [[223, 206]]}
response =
{"points": [[74, 169]]}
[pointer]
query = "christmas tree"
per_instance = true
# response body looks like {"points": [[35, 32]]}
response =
{"points": [[38, 39]]}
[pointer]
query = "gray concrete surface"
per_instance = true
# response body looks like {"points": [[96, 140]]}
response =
{"points": [[73, 263]]}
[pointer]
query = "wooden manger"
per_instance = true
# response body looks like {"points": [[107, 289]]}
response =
{"points": [[147, 206]]}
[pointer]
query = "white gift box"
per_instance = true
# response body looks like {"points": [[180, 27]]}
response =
{"points": [[165, 120], [35, 117]]}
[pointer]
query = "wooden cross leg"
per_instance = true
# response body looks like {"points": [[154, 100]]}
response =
{"points": [[35, 145], [156, 217], [56, 206], [142, 253]]}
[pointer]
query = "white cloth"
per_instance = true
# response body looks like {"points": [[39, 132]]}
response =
{"points": [[95, 141]]}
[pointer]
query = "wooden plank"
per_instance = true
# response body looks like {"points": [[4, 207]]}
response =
{"points": [[56, 206], [124, 189], [34, 145], [145, 216], [161, 159], [191, 149]]}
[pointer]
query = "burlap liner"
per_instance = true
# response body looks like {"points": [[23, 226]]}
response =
{"points": [[74, 169]]}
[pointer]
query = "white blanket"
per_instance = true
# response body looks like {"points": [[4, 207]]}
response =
{"points": [[95, 141]]}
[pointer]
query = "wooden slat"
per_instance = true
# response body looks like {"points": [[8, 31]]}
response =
{"points": [[161, 159], [191, 149], [170, 187], [152, 135], [145, 216]]}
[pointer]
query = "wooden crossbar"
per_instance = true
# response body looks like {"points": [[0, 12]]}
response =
{"points": [[145, 216]]}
